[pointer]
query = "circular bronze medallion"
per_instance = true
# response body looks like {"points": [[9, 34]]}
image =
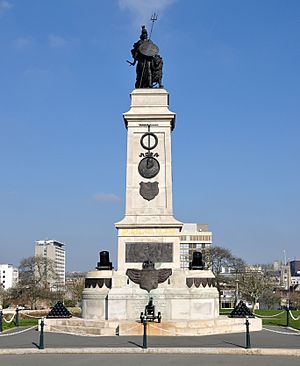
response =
{"points": [[148, 167]]}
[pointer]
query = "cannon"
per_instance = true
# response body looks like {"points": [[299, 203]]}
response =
{"points": [[197, 262], [104, 263], [149, 314]]}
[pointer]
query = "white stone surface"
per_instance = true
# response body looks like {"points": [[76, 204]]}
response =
{"points": [[149, 107], [150, 222], [94, 303]]}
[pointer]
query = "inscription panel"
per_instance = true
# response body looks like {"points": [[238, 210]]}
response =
{"points": [[148, 232], [155, 252]]}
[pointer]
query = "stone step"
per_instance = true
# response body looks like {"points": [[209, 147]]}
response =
{"points": [[190, 328], [79, 330], [220, 325]]}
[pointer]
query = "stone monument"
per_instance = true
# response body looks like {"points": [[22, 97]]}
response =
{"points": [[148, 268], [149, 234]]}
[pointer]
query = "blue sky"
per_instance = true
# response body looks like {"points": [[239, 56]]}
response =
{"points": [[232, 70]]}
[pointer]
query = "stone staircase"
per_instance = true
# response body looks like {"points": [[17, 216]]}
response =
{"points": [[78, 326], [220, 325]]}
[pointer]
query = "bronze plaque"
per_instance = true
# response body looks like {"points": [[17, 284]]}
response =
{"points": [[154, 252], [149, 190], [148, 167]]}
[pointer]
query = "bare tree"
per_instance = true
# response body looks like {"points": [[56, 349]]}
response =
{"points": [[294, 299], [224, 265], [36, 274], [253, 284], [270, 298], [3, 295], [75, 287]]}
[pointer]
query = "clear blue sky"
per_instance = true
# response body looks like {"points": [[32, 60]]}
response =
{"points": [[232, 70]]}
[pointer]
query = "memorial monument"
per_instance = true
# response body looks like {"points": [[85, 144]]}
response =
{"points": [[148, 267], [148, 235]]}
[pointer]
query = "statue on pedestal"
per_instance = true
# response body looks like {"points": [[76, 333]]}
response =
{"points": [[148, 62]]}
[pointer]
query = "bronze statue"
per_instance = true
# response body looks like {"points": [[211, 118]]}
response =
{"points": [[148, 62]]}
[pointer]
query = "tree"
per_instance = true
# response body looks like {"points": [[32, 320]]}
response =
{"points": [[224, 265], [3, 296], [294, 299], [36, 274], [270, 298], [253, 284], [75, 287]]}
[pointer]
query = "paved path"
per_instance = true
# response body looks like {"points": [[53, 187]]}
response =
{"points": [[146, 360], [274, 337]]}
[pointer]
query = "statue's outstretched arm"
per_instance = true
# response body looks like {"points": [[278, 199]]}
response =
{"points": [[131, 63]]}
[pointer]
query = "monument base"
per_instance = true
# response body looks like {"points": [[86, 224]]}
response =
{"points": [[220, 325], [186, 295]]}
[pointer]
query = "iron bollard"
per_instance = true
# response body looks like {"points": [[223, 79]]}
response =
{"points": [[145, 333], [17, 322], [248, 344], [42, 345], [287, 316], [1, 320]]}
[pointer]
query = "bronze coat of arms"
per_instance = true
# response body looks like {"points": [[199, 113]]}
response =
{"points": [[149, 190], [148, 278]]}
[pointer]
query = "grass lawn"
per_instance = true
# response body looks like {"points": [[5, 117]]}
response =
{"points": [[274, 320], [29, 322], [281, 319], [22, 323]]}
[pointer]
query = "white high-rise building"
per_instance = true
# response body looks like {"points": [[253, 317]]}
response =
{"points": [[9, 275], [54, 250]]}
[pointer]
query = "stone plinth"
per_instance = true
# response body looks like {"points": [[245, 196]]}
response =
{"points": [[219, 325], [186, 295], [94, 296]]}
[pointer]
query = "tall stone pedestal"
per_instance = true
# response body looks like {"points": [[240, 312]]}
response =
{"points": [[149, 234], [149, 230]]}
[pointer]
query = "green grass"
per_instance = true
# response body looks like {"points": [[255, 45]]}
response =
{"points": [[225, 311], [22, 323], [279, 320]]}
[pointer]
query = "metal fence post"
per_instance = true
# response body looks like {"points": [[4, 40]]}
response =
{"points": [[145, 333], [42, 345], [1, 320], [248, 344], [287, 316], [17, 322]]}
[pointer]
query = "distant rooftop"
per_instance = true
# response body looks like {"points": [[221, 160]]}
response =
{"points": [[188, 228], [49, 242]]}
